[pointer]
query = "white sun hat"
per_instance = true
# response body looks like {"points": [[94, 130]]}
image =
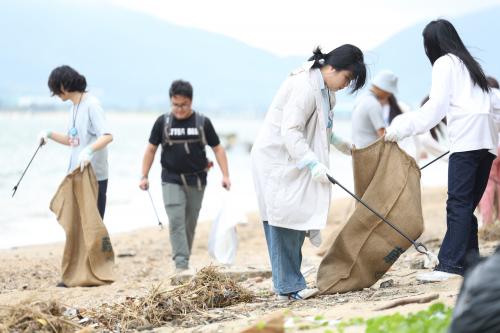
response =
{"points": [[387, 81]]}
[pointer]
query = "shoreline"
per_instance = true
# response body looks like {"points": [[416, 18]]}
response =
{"points": [[31, 272]]}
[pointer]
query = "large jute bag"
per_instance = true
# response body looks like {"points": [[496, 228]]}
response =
{"points": [[88, 255], [388, 180]]}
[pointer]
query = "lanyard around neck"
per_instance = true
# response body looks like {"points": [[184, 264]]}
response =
{"points": [[75, 113], [329, 100]]}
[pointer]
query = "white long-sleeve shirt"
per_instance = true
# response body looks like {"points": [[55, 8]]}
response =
{"points": [[469, 110]]}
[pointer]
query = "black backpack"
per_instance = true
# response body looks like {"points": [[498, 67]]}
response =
{"points": [[200, 125]]}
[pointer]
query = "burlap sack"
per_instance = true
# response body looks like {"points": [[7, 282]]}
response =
{"points": [[388, 180], [88, 255]]}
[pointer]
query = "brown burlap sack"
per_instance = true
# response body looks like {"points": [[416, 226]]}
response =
{"points": [[387, 180], [88, 255]]}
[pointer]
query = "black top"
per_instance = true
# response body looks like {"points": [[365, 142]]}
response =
{"points": [[174, 158]]}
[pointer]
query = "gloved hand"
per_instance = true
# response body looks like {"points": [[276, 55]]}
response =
{"points": [[43, 137], [341, 145], [392, 134], [319, 172], [85, 156]]}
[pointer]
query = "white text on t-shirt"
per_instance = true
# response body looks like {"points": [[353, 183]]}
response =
{"points": [[182, 131]]}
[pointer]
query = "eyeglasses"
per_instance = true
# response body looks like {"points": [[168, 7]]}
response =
{"points": [[180, 106]]}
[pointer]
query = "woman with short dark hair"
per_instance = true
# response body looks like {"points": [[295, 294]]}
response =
{"points": [[460, 92], [290, 159], [88, 132]]}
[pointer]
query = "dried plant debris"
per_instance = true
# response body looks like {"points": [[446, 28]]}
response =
{"points": [[36, 317], [186, 305]]}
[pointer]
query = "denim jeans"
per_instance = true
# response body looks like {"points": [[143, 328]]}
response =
{"points": [[285, 253], [467, 178]]}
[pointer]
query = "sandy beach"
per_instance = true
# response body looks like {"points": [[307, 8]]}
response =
{"points": [[142, 261]]}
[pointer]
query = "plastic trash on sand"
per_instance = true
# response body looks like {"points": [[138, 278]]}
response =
{"points": [[223, 241]]}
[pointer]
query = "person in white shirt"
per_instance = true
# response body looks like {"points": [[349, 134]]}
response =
{"points": [[460, 92], [489, 206], [88, 132], [290, 160], [367, 118]]}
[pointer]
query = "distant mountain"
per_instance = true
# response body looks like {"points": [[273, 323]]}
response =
{"points": [[130, 58], [404, 53]]}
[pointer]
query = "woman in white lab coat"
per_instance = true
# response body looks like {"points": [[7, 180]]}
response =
{"points": [[460, 92], [290, 159]]}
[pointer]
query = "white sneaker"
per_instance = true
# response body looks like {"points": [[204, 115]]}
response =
{"points": [[299, 295], [436, 276]]}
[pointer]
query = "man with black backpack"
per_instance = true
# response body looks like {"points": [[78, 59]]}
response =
{"points": [[183, 135]]}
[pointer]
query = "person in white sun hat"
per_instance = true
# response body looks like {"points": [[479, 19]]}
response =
{"points": [[367, 116]]}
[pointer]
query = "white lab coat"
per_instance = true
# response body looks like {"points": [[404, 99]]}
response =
{"points": [[294, 132]]}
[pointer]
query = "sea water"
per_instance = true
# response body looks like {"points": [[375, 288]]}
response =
{"points": [[26, 219]]}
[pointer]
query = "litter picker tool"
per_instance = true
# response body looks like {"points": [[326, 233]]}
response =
{"points": [[154, 208], [421, 248], [434, 160], [14, 189]]}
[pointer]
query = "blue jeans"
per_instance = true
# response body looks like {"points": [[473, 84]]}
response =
{"points": [[285, 252], [467, 178]]}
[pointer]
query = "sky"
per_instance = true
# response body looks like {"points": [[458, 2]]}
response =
{"points": [[290, 27]]}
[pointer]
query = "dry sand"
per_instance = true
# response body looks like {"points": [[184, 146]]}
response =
{"points": [[31, 273]]}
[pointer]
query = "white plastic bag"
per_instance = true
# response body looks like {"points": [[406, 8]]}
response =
{"points": [[223, 241]]}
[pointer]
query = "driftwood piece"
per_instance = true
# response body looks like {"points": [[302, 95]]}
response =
{"points": [[411, 300]]}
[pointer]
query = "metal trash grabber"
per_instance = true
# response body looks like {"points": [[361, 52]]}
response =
{"points": [[14, 189], [434, 160], [418, 246], [154, 208]]}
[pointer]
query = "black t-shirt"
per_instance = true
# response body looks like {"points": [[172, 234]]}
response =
{"points": [[175, 160]]}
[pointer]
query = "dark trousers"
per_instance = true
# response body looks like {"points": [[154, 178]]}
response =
{"points": [[101, 197], [467, 178]]}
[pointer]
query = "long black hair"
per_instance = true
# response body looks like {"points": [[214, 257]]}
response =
{"points": [[67, 78], [345, 57], [492, 82], [440, 38], [394, 109]]}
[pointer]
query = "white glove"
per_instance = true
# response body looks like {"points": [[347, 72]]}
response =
{"points": [[319, 172], [43, 137], [392, 134], [84, 157]]}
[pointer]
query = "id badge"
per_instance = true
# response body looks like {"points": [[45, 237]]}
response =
{"points": [[74, 139]]}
